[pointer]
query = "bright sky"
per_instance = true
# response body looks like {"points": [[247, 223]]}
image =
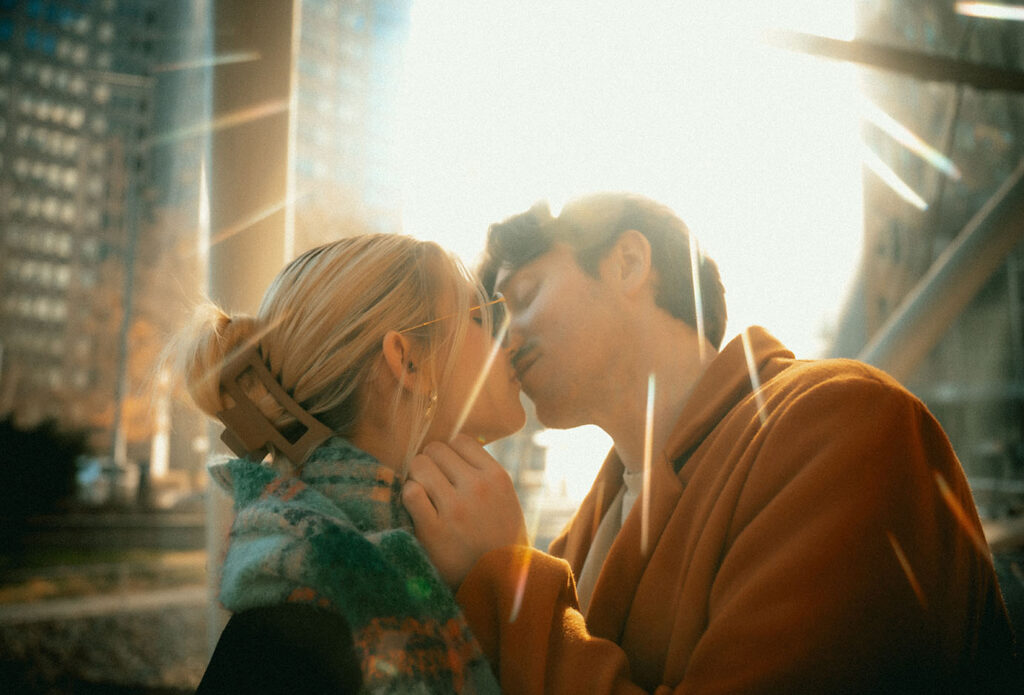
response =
{"points": [[757, 149]]}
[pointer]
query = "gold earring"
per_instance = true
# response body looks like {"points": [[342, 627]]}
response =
{"points": [[431, 404]]}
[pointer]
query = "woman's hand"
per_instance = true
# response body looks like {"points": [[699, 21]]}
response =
{"points": [[463, 504]]}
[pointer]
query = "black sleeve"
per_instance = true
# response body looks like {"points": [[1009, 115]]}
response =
{"points": [[291, 648]]}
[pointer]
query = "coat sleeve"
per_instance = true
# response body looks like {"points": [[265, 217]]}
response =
{"points": [[521, 605]]}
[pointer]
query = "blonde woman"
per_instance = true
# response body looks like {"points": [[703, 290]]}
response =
{"points": [[362, 351]]}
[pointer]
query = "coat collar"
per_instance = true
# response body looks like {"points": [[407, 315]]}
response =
{"points": [[724, 383]]}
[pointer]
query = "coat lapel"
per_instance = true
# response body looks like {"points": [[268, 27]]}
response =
{"points": [[725, 382], [629, 556]]}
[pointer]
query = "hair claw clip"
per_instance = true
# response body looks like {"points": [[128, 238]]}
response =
{"points": [[247, 431]]}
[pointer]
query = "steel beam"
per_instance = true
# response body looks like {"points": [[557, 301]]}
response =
{"points": [[923, 66], [955, 277]]}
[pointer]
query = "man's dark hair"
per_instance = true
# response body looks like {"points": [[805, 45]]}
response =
{"points": [[591, 225], [514, 242]]}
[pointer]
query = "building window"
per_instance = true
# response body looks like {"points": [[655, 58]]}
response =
{"points": [[68, 212], [80, 54], [90, 252], [76, 117], [51, 208]]}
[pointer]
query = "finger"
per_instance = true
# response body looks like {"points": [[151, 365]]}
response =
{"points": [[417, 503], [425, 471], [450, 462], [473, 452]]}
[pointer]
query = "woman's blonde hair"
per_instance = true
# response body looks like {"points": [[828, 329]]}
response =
{"points": [[321, 326]]}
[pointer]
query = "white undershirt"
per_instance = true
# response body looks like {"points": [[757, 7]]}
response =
{"points": [[607, 530]]}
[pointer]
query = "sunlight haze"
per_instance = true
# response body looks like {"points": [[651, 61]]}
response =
{"points": [[757, 149]]}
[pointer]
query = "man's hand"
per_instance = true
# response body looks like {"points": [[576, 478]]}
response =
{"points": [[463, 504]]}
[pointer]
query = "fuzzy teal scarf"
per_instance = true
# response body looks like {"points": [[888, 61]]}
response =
{"points": [[338, 536]]}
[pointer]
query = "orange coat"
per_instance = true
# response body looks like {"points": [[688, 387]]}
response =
{"points": [[815, 536]]}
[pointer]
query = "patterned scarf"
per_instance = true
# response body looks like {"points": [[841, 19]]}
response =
{"points": [[338, 536]]}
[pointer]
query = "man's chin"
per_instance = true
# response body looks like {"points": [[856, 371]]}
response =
{"points": [[554, 418]]}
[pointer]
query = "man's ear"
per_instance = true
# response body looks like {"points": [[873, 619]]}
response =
{"points": [[632, 260], [397, 349]]}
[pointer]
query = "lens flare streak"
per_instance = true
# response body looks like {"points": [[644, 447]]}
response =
{"points": [[873, 162], [907, 569], [648, 453], [517, 600], [909, 139], [991, 10], [236, 118], [755, 380], [698, 301], [121, 79], [212, 61], [240, 227], [478, 385], [961, 515]]}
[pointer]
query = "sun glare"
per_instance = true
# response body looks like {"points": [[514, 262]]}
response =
{"points": [[991, 10], [757, 149]]}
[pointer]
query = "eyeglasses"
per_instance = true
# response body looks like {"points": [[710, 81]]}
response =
{"points": [[497, 308]]}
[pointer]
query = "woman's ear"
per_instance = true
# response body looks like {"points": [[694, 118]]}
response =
{"points": [[397, 349]]}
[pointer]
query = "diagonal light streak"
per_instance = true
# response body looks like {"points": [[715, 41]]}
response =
{"points": [[991, 10], [517, 599], [482, 376], [645, 510], [532, 524], [258, 216], [907, 569], [212, 61], [961, 515], [244, 224], [230, 120], [909, 139], [121, 79], [755, 380], [698, 300], [873, 162]]}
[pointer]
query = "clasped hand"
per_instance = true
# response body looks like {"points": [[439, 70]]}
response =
{"points": [[463, 504]]}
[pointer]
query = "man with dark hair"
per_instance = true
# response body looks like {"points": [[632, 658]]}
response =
{"points": [[762, 524]]}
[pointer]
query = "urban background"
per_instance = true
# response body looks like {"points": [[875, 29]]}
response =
{"points": [[145, 145]]}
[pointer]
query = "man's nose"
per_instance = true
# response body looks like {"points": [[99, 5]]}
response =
{"points": [[513, 338]]}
